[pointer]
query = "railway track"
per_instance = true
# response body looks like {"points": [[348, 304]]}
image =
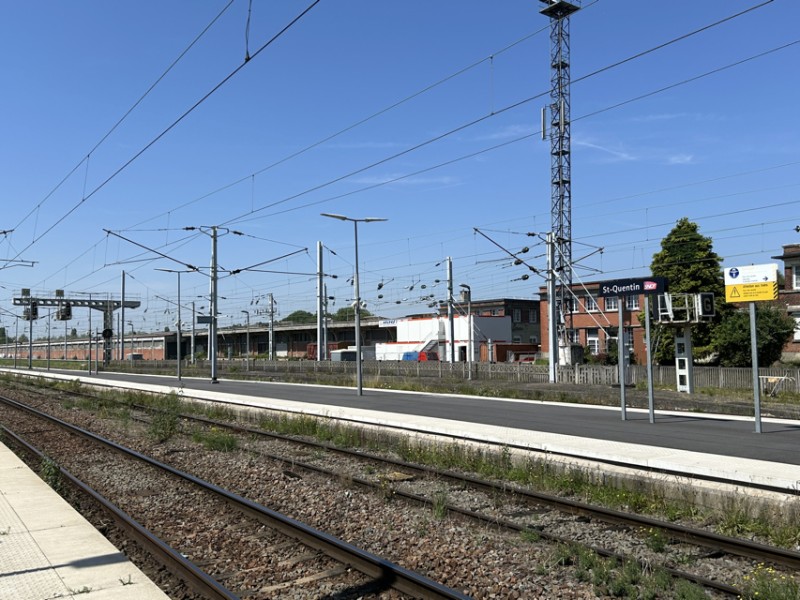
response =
{"points": [[525, 502], [522, 512], [346, 570]]}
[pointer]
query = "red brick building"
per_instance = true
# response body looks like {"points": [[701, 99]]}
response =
{"points": [[789, 296], [595, 320]]}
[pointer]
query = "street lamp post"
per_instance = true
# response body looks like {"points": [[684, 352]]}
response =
{"points": [[247, 341], [359, 372], [179, 332], [193, 334], [16, 342], [49, 316], [469, 324]]}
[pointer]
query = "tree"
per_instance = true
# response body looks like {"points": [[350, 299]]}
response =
{"points": [[73, 333], [348, 313], [773, 329], [300, 316], [689, 263]]}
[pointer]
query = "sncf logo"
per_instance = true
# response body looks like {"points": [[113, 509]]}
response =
{"points": [[650, 285]]}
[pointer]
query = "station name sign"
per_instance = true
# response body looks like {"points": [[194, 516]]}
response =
{"points": [[633, 287]]}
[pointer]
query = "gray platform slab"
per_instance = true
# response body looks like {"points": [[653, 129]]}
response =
{"points": [[48, 550]]}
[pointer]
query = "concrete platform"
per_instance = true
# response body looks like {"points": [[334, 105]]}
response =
{"points": [[48, 550]]}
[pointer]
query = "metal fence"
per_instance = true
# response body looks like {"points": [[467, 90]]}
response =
{"points": [[772, 379]]}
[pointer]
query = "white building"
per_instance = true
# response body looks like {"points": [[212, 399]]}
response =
{"points": [[432, 334]]}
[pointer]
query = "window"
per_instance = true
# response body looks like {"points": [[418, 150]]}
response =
{"points": [[590, 303], [574, 336], [796, 278], [797, 329], [495, 312], [517, 315], [533, 316], [593, 340], [612, 303], [632, 302], [516, 339]]}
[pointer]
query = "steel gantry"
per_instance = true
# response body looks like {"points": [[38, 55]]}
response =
{"points": [[64, 306]]}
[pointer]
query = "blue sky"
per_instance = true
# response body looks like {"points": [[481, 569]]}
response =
{"points": [[346, 112]]}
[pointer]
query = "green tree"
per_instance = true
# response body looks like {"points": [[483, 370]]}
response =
{"points": [[3, 336], [688, 261], [347, 313], [773, 329], [300, 316]]}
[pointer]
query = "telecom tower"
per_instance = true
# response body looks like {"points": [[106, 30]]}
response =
{"points": [[559, 11]]}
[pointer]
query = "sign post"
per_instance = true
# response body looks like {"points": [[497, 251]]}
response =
{"points": [[632, 287], [752, 283]]}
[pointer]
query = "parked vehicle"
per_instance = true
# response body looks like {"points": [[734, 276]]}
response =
{"points": [[420, 356]]}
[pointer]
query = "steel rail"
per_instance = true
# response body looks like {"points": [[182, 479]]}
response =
{"points": [[485, 519], [197, 579], [382, 571], [731, 545]]}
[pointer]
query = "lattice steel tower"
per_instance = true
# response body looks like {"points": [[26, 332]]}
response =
{"points": [[559, 11]]}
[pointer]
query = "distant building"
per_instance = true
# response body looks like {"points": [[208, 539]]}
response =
{"points": [[789, 296], [525, 321]]}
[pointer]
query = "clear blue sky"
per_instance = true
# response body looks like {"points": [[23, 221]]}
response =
{"points": [[258, 155]]}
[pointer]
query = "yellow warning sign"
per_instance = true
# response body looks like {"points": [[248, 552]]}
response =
{"points": [[752, 292]]}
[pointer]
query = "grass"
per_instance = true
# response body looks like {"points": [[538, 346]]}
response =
{"points": [[216, 439], [737, 518], [51, 473], [611, 578], [766, 583], [165, 421], [440, 504]]}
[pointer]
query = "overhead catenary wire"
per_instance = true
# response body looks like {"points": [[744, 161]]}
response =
{"points": [[171, 126], [124, 117], [248, 217], [508, 108]]}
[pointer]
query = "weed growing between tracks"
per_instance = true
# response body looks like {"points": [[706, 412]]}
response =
{"points": [[765, 582], [216, 439], [51, 474], [165, 421], [739, 517], [611, 578]]}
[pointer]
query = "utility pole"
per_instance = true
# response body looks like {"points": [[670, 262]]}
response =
{"points": [[122, 322], [552, 309], [450, 318], [193, 331], [325, 323], [212, 334], [271, 326], [320, 302], [559, 11]]}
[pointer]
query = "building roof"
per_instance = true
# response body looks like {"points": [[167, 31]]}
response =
{"points": [[789, 251]]}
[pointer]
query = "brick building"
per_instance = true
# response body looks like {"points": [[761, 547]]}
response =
{"points": [[789, 296], [595, 321]]}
